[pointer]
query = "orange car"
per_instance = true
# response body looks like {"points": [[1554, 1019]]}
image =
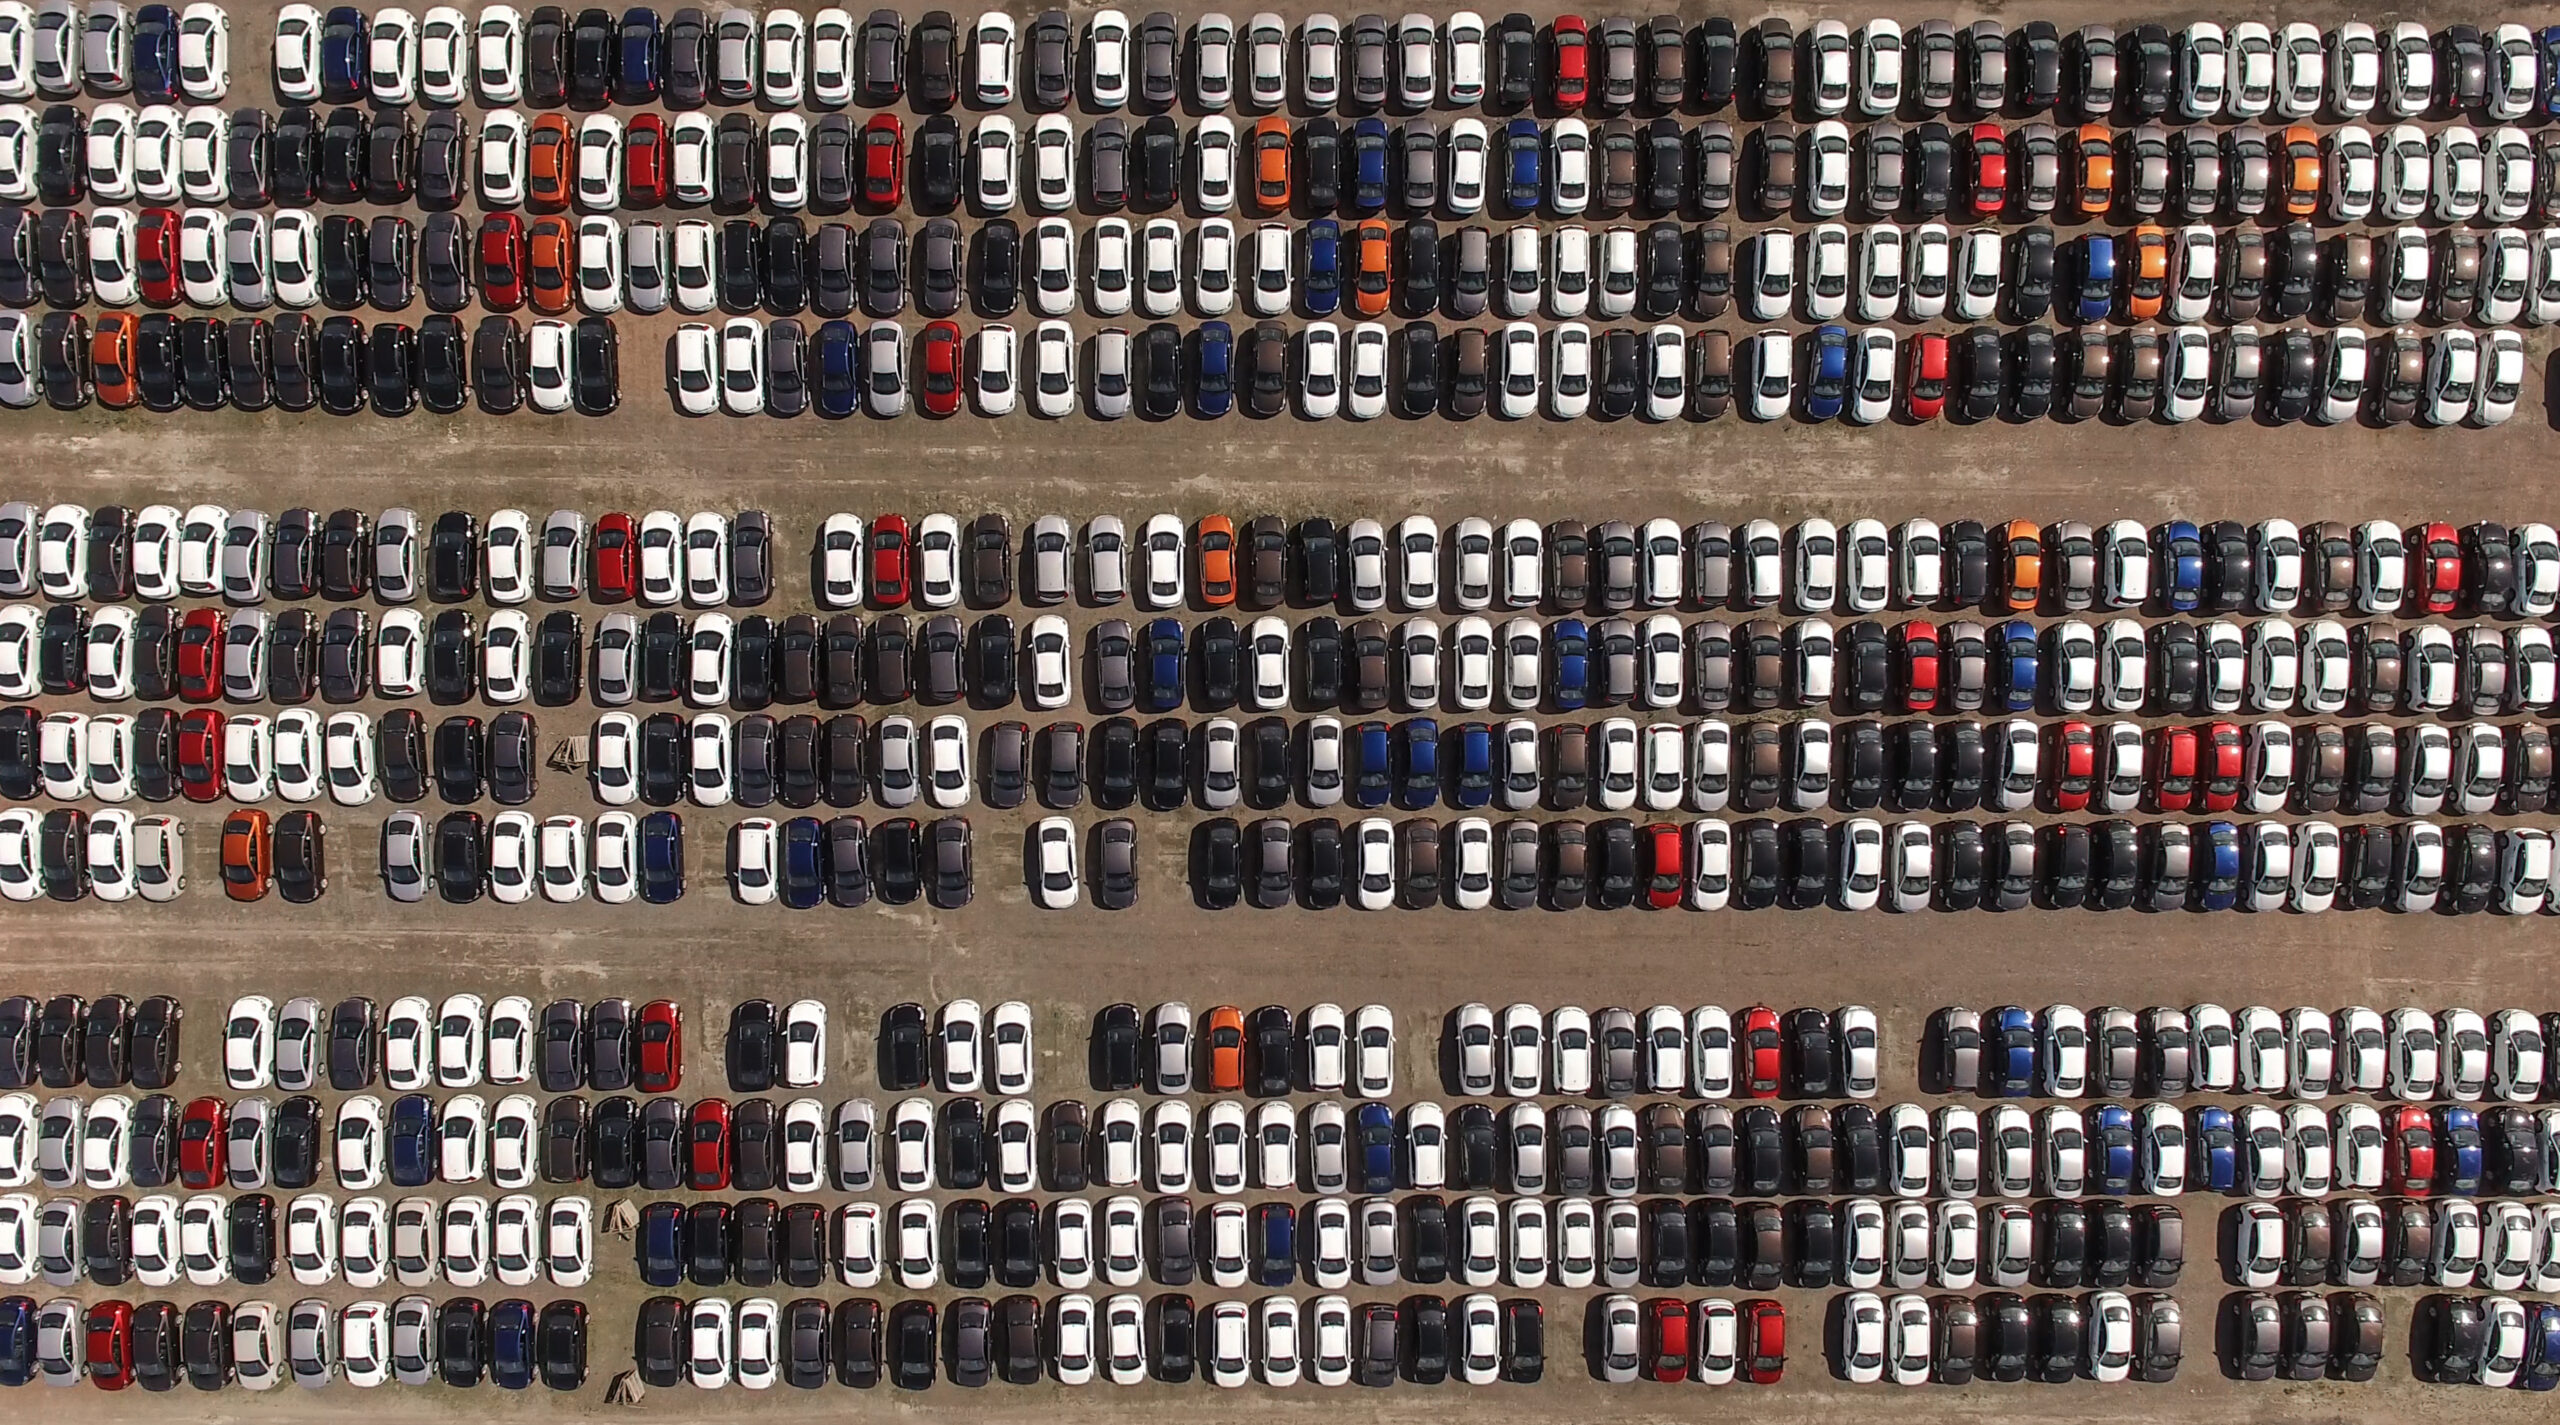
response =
{"points": [[2025, 544], [2097, 168], [244, 855], [549, 159], [1226, 1048], [1217, 540], [2148, 282], [1369, 269], [2301, 171], [548, 258], [1271, 163], [111, 358]]}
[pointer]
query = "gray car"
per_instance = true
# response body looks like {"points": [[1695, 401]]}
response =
{"points": [[106, 48], [1050, 543], [244, 557], [300, 1026], [395, 555], [415, 1357], [1114, 671], [1619, 1048], [733, 55], [405, 868]]}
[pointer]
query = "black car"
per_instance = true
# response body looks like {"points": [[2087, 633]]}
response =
{"points": [[596, 357]]}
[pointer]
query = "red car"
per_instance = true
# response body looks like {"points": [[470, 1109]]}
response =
{"points": [[502, 262], [2075, 765], [1666, 1325], [1990, 169], [200, 754], [889, 551], [110, 1344], [1924, 375], [155, 256], [617, 543], [2435, 566], [2409, 1165], [200, 655], [1764, 1336], [2173, 769], [1668, 876], [644, 159], [200, 1142], [2221, 769], [1916, 644], [1571, 61], [661, 1047], [1759, 1036], [939, 386], [706, 1157], [884, 160]]}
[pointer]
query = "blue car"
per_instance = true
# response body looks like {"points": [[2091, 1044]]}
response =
{"points": [[661, 857], [155, 53], [1275, 1244], [2542, 1341], [413, 1140], [1524, 151], [635, 77], [344, 49], [1569, 648], [804, 867], [2111, 1149], [2549, 43], [1473, 783], [661, 1244], [511, 1362], [2218, 858], [2015, 664], [1368, 166], [1372, 769], [1376, 1128], [2009, 1052], [1213, 391], [2182, 564], [837, 357], [17, 1340], [2458, 1167], [1160, 665], [2215, 1164], [2097, 277], [1322, 287], [1420, 786], [1826, 387]]}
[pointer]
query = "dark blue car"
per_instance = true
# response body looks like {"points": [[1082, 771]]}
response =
{"points": [[2458, 1168], [1323, 283], [1376, 1128], [1368, 166], [413, 1140], [837, 356], [2182, 564], [1420, 786], [1371, 775], [2218, 859], [2216, 1161], [1826, 387], [17, 1340], [1275, 1244], [511, 1362], [2542, 1339], [1160, 665], [635, 71], [660, 1244], [155, 53], [2097, 277], [2111, 1149], [1472, 786], [2009, 1052], [1213, 378], [2014, 666], [1524, 150], [1569, 647], [2549, 43], [804, 867], [661, 857], [343, 52]]}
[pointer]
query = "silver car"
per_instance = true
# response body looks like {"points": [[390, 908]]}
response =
{"points": [[405, 868]]}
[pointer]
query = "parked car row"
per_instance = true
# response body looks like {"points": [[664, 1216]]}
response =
{"points": [[1911, 1340], [415, 1043], [2408, 1054], [258, 1345], [2402, 1241], [111, 1240], [712, 559], [63, 1041], [1860, 864], [786, 59], [2495, 1341]]}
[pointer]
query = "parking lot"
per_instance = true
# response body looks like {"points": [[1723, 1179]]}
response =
{"points": [[707, 952]]}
